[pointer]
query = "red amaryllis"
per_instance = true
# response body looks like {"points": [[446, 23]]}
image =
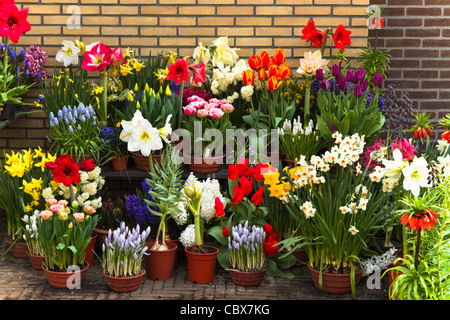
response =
{"points": [[218, 206], [279, 56], [405, 147], [117, 57], [13, 22], [65, 170], [419, 220], [341, 37], [308, 30], [233, 172], [87, 165], [317, 38], [199, 72], [248, 77], [238, 195], [257, 198], [254, 62], [178, 71], [98, 58]]}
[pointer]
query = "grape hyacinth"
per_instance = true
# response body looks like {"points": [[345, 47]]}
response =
{"points": [[399, 113], [246, 248], [123, 251], [74, 116]]}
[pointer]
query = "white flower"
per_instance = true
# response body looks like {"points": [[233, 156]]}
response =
{"points": [[353, 230], [187, 236], [247, 92], [68, 54], [223, 54], [180, 217], [442, 145], [416, 175], [166, 130], [363, 204], [140, 135], [344, 209], [393, 168], [201, 54]]}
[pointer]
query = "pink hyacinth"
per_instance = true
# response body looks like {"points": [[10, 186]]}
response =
{"points": [[377, 146], [216, 113], [405, 147], [189, 110]]}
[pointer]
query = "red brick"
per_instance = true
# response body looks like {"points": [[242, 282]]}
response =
{"points": [[422, 11]]}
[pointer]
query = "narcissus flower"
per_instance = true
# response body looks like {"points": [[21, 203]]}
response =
{"points": [[13, 22]]}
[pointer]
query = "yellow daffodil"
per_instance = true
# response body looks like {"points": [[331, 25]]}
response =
{"points": [[13, 158], [271, 178], [16, 169], [277, 190], [38, 153], [137, 65], [28, 207], [97, 90], [125, 70]]}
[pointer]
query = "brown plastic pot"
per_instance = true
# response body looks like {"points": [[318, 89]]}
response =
{"points": [[206, 165], [161, 263], [143, 163], [334, 283], [201, 266], [124, 284]]}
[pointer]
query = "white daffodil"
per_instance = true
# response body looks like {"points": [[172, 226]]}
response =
{"points": [[68, 54], [166, 130], [416, 175], [393, 168], [144, 138]]}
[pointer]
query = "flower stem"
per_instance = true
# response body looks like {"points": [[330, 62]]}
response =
{"points": [[416, 257], [180, 105], [307, 102], [105, 98]]}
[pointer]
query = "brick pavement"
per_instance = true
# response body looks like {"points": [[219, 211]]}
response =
{"points": [[19, 281]]}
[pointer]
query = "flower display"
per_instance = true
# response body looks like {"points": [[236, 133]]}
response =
{"points": [[31, 234], [68, 54]]}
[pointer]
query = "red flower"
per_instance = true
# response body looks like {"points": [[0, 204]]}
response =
{"points": [[257, 198], [199, 72], [254, 62], [419, 220], [260, 169], [308, 29], [117, 57], [279, 56], [262, 74], [13, 23], [87, 165], [238, 195], [246, 185], [272, 84], [446, 135], [266, 60], [178, 71], [242, 164], [378, 23], [248, 172], [248, 77], [341, 37], [98, 58], [233, 172], [284, 72], [226, 232], [274, 71], [64, 170], [317, 38], [269, 246], [218, 206]]}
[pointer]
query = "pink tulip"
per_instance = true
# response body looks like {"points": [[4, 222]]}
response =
{"points": [[227, 108], [202, 113], [78, 216], [97, 59], [46, 214], [189, 110], [210, 106], [216, 113], [51, 202]]}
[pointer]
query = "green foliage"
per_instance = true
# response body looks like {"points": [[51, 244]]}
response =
{"points": [[374, 61]]}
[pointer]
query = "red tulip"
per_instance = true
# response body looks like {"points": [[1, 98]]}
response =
{"points": [[272, 84], [218, 206], [246, 185], [13, 22], [238, 195], [87, 165], [254, 62], [248, 77], [64, 170], [249, 172], [242, 164], [226, 232], [98, 58], [274, 71], [266, 60], [268, 230], [260, 169], [341, 37], [199, 72], [279, 56], [233, 172], [258, 198], [178, 71], [269, 247]]}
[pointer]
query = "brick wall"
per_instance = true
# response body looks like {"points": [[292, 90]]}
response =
{"points": [[418, 34]]}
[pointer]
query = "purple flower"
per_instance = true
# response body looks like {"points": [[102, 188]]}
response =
{"points": [[324, 85], [36, 58], [319, 74], [364, 85], [357, 91], [378, 79], [350, 76], [335, 71], [342, 84], [360, 74]]}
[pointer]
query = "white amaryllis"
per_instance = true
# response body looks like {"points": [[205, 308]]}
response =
{"points": [[222, 54], [416, 175], [312, 62], [140, 135], [68, 54], [201, 54], [393, 168], [165, 131]]}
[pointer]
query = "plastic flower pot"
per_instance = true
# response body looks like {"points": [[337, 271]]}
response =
{"points": [[161, 263], [37, 262], [124, 284], [89, 256], [201, 266], [206, 165], [143, 162], [120, 163]]}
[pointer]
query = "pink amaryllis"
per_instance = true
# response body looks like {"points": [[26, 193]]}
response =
{"points": [[374, 154], [98, 58], [179, 71], [13, 22], [405, 147], [199, 72], [117, 57]]}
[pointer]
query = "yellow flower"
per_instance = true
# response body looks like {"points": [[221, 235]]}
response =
{"points": [[125, 69], [38, 153], [13, 158], [277, 190], [16, 169], [28, 207], [97, 90], [137, 65], [271, 178]]}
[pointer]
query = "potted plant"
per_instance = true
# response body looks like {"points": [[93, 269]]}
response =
{"points": [[110, 215], [212, 119], [165, 193], [35, 253], [247, 253], [339, 209], [22, 177], [122, 255], [118, 150]]}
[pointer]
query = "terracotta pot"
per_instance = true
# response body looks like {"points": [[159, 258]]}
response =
{"points": [[120, 163], [36, 261], [206, 165], [142, 162], [90, 256], [124, 284], [201, 266], [174, 241], [160, 264], [334, 283], [392, 275], [102, 234], [60, 279], [18, 250], [247, 279], [300, 256], [290, 163]]}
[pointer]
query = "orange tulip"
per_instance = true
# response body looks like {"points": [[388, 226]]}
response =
{"points": [[272, 84], [262, 75], [266, 60], [254, 62], [274, 71], [284, 72], [279, 56], [248, 77]]}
